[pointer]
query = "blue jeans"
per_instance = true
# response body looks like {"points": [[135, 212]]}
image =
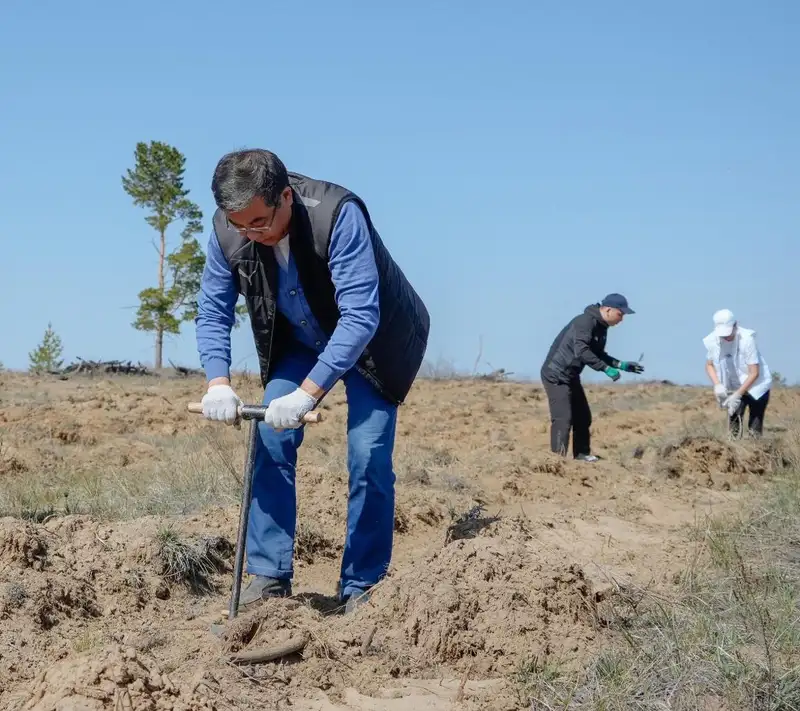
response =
{"points": [[371, 425]]}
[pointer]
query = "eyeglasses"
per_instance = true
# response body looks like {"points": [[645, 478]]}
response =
{"points": [[256, 231]]}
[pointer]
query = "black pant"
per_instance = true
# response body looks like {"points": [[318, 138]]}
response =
{"points": [[755, 421], [569, 409]]}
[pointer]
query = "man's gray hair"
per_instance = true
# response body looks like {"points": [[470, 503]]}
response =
{"points": [[242, 176]]}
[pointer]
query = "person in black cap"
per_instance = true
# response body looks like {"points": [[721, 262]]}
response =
{"points": [[580, 343]]}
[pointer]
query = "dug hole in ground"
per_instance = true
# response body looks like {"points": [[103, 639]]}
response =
{"points": [[519, 580]]}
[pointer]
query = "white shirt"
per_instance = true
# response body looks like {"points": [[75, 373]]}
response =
{"points": [[282, 253], [731, 358]]}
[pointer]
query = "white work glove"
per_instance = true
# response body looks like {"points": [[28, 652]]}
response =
{"points": [[732, 403], [220, 403], [286, 413], [721, 393]]}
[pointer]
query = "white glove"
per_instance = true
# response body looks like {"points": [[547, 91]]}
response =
{"points": [[721, 393], [287, 412], [220, 403], [732, 403]]}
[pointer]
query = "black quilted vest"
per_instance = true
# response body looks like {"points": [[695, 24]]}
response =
{"points": [[393, 357]]}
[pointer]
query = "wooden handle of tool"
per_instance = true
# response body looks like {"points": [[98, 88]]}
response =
{"points": [[310, 418]]}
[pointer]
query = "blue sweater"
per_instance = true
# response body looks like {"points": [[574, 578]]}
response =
{"points": [[355, 279]]}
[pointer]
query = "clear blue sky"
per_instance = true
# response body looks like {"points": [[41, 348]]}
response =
{"points": [[520, 159]]}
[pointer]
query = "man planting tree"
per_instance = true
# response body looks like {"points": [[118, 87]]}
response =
{"points": [[739, 373], [326, 302], [580, 343]]}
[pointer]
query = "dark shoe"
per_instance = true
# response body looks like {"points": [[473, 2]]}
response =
{"points": [[587, 458], [261, 587], [355, 600]]}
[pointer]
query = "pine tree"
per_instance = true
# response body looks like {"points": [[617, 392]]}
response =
{"points": [[156, 182], [47, 356]]}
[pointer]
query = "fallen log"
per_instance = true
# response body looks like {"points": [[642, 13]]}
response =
{"points": [[114, 367]]}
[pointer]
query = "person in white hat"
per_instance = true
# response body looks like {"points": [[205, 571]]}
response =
{"points": [[740, 375]]}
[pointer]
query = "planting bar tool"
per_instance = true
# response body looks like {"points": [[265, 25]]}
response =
{"points": [[254, 413]]}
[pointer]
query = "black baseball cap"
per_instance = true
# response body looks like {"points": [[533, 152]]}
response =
{"points": [[617, 301]]}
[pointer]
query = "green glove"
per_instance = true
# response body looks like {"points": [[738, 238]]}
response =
{"points": [[612, 373], [630, 366]]}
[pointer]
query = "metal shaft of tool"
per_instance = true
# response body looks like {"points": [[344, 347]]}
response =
{"points": [[256, 414], [244, 515]]}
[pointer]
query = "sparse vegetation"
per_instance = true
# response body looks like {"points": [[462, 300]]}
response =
{"points": [[183, 481], [727, 635]]}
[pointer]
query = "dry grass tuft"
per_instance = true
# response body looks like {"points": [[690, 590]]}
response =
{"points": [[191, 565]]}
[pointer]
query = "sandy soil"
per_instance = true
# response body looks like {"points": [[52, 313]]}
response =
{"points": [[503, 551]]}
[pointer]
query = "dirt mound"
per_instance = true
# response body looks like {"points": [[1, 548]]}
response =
{"points": [[484, 601], [715, 461], [72, 583], [56, 601], [21, 545], [479, 604], [112, 678]]}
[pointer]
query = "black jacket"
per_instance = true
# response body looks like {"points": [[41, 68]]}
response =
{"points": [[580, 343]]}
